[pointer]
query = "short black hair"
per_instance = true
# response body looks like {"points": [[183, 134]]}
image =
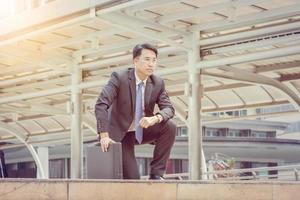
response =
{"points": [[137, 50]]}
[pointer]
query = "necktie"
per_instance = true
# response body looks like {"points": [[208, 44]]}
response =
{"points": [[139, 113]]}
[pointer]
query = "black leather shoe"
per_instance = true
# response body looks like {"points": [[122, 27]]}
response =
{"points": [[155, 177]]}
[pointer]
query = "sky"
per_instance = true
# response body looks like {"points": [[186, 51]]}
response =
{"points": [[5, 8]]}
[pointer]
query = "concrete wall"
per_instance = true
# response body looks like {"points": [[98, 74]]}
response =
{"points": [[25, 189]]}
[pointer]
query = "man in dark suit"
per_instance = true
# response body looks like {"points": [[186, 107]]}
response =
{"points": [[125, 113]]}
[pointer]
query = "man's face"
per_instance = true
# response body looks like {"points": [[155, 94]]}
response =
{"points": [[145, 63]]}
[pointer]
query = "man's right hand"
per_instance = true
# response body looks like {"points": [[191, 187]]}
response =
{"points": [[105, 141]]}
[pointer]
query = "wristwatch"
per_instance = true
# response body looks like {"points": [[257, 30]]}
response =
{"points": [[159, 117]]}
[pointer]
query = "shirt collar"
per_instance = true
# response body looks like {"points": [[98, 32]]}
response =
{"points": [[137, 80]]}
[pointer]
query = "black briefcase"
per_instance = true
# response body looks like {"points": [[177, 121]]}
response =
{"points": [[104, 165]]}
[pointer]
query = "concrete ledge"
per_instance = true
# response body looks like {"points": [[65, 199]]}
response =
{"points": [[33, 189], [14, 189]]}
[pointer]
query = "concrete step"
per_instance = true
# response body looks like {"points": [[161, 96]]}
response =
{"points": [[34, 189]]}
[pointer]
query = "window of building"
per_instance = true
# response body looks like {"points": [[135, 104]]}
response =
{"points": [[21, 170], [233, 133], [175, 166], [184, 131], [57, 168], [260, 164], [208, 133], [244, 133], [214, 132]]}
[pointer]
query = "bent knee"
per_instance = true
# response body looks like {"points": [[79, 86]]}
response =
{"points": [[172, 127]]}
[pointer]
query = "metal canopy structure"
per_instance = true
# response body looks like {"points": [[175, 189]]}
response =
{"points": [[215, 56]]}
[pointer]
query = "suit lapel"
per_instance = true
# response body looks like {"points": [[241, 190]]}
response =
{"points": [[132, 89], [148, 91]]}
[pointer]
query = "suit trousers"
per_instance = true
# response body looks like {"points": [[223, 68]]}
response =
{"points": [[163, 137]]}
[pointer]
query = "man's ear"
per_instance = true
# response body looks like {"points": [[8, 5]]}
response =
{"points": [[135, 60]]}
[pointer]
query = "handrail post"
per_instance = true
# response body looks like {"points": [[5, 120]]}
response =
{"points": [[296, 174], [254, 175]]}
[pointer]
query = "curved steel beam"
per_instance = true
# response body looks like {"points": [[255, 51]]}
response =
{"points": [[136, 25], [21, 137], [181, 112], [242, 75], [89, 123]]}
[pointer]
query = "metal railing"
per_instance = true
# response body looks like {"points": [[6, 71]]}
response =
{"points": [[283, 173]]}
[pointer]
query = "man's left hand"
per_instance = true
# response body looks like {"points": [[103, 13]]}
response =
{"points": [[145, 122]]}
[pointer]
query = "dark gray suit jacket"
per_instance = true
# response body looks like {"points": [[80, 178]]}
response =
{"points": [[115, 106]]}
